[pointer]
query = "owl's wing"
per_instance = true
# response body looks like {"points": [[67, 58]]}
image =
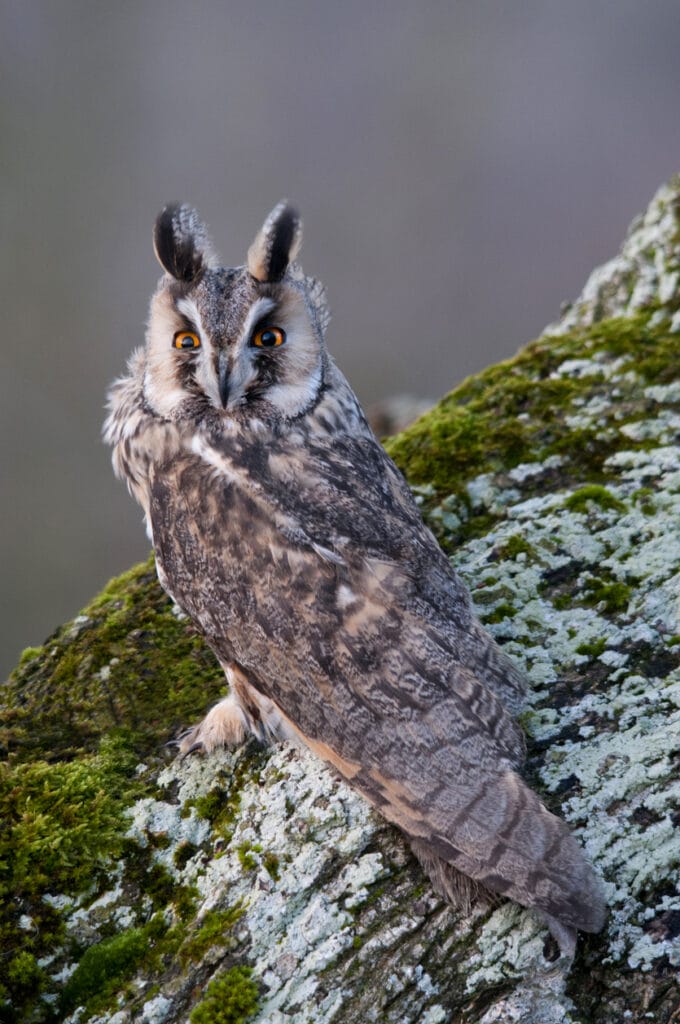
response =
{"points": [[339, 615], [347, 496]]}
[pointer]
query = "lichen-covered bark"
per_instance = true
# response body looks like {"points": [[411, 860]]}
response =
{"points": [[253, 885]]}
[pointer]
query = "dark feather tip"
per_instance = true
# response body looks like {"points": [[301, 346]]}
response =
{"points": [[180, 242], [195, 748], [286, 227], [276, 244]]}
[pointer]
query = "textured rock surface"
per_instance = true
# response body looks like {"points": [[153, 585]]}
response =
{"points": [[252, 885]]}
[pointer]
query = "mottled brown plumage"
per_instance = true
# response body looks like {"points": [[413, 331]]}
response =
{"points": [[286, 533]]}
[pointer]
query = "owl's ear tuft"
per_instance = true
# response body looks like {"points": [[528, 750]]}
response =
{"points": [[181, 242], [277, 243]]}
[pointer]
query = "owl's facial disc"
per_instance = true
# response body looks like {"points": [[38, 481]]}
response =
{"points": [[256, 351]]}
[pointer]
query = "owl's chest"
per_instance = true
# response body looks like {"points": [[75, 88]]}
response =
{"points": [[225, 549]]}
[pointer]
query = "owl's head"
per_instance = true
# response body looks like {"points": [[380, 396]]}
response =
{"points": [[233, 341]]}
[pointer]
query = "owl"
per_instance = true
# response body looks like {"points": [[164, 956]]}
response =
{"points": [[285, 532]]}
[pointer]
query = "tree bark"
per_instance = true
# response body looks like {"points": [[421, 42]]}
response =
{"points": [[252, 884]]}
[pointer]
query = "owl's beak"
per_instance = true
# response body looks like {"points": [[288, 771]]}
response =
{"points": [[223, 376]]}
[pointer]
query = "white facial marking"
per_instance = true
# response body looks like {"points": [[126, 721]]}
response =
{"points": [[258, 309], [190, 310]]}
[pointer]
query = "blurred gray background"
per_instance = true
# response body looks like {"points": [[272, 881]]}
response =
{"points": [[460, 167]]}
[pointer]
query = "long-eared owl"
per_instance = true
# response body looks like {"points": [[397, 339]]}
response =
{"points": [[285, 532]]}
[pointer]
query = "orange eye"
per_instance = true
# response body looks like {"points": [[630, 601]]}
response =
{"points": [[186, 340], [270, 337]]}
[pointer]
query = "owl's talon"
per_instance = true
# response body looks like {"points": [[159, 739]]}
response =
{"points": [[178, 740], [193, 749]]}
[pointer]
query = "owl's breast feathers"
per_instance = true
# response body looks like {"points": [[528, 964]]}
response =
{"points": [[309, 567]]}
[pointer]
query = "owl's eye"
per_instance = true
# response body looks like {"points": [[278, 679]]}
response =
{"points": [[270, 337], [186, 340]]}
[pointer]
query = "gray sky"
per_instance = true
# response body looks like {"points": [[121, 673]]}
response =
{"points": [[460, 168]]}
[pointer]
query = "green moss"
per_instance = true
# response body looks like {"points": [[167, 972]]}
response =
{"points": [[79, 714], [593, 649], [655, 354], [272, 864], [163, 946], [106, 969], [488, 593], [159, 840], [514, 546], [245, 855], [63, 824], [505, 610], [215, 803], [644, 497], [159, 885], [515, 412], [24, 974], [145, 876], [103, 967], [127, 660], [28, 655], [221, 805], [184, 900], [215, 930], [442, 447], [229, 999], [613, 597], [593, 494], [183, 854], [642, 494], [61, 820]]}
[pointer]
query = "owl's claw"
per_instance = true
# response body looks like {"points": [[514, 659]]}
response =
{"points": [[178, 740], [195, 748], [186, 743], [189, 741]]}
